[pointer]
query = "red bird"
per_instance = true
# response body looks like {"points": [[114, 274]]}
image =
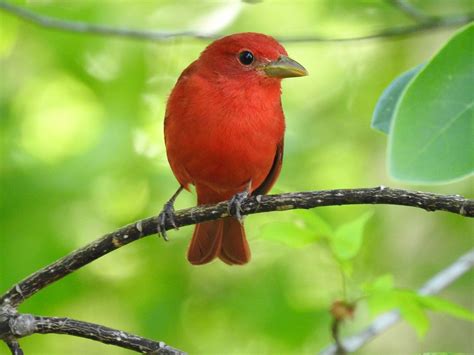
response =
{"points": [[224, 128]]}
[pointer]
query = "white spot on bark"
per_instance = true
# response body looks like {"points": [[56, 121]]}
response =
{"points": [[18, 289]]}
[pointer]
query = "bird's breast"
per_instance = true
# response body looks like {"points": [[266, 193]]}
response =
{"points": [[223, 138]]}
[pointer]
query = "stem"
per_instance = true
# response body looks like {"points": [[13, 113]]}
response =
{"points": [[437, 283]]}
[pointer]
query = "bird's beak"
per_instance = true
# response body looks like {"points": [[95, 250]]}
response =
{"points": [[284, 67]]}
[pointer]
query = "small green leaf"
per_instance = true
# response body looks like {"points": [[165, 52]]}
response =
{"points": [[306, 227], [412, 312], [347, 267], [314, 222], [382, 283], [383, 113], [346, 241], [440, 305], [381, 294], [289, 233], [432, 135], [381, 301]]}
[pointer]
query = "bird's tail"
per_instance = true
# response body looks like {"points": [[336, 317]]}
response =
{"points": [[224, 238]]}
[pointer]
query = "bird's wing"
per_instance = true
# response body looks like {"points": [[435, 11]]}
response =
{"points": [[272, 176]]}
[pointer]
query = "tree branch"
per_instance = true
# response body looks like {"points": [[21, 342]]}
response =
{"points": [[10, 300], [150, 35], [255, 204], [21, 325], [440, 281]]}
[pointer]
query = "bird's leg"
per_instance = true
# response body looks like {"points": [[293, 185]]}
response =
{"points": [[235, 203], [167, 212]]}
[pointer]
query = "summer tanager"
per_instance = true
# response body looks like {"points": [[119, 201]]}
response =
{"points": [[224, 128]]}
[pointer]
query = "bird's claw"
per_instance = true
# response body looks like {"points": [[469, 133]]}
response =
{"points": [[235, 205], [166, 213]]}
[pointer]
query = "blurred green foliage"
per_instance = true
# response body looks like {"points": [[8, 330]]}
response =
{"points": [[82, 153]]}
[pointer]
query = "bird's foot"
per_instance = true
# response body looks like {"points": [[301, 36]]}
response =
{"points": [[166, 213], [235, 205]]}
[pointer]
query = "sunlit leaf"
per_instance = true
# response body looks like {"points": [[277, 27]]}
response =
{"points": [[306, 227], [290, 233], [432, 136], [413, 312], [381, 283], [380, 294], [381, 301], [347, 239], [314, 222], [383, 113], [440, 305]]}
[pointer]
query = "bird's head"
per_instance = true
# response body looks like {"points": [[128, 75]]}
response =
{"points": [[252, 56]]}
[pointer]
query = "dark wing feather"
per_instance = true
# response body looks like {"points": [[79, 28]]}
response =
{"points": [[273, 174]]}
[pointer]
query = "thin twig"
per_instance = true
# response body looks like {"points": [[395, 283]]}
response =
{"points": [[440, 281], [255, 204], [151, 35], [26, 324], [336, 323], [412, 11], [84, 27]]}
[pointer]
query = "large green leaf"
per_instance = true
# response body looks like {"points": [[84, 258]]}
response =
{"points": [[385, 108], [432, 137]]}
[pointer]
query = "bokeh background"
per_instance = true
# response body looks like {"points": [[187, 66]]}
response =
{"points": [[82, 154]]}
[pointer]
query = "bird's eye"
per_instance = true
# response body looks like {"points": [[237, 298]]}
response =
{"points": [[246, 57]]}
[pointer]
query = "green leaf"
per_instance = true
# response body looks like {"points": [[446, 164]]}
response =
{"points": [[383, 113], [382, 301], [305, 228], [346, 241], [382, 283], [440, 305], [381, 294], [432, 136], [412, 312], [314, 222]]}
